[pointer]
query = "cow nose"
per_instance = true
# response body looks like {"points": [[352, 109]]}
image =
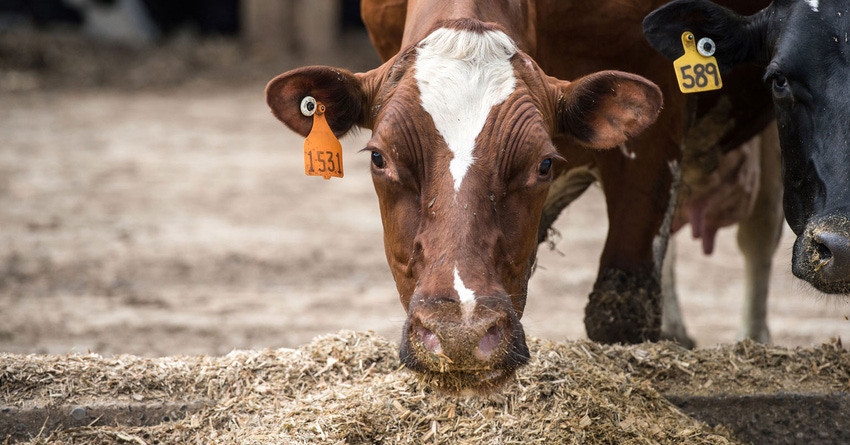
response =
{"points": [[461, 347], [468, 343], [833, 255]]}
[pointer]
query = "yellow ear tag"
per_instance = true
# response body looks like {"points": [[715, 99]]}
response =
{"points": [[697, 70], [322, 150]]}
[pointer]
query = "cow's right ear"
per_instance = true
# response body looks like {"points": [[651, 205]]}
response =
{"points": [[345, 95], [737, 38]]}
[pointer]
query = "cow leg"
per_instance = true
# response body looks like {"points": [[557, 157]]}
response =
{"points": [[672, 323], [758, 237], [625, 304]]}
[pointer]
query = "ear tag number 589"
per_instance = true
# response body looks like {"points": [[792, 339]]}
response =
{"points": [[322, 150], [697, 70]]}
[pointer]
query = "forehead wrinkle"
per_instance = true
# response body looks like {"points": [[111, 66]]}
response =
{"points": [[404, 135], [461, 76], [510, 132]]}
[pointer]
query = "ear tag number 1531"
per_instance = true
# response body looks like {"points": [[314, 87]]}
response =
{"points": [[697, 70], [322, 150]]}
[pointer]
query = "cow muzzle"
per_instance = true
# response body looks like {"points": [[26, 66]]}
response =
{"points": [[822, 254], [463, 349]]}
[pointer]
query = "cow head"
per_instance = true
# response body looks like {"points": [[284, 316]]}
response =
{"points": [[462, 158], [805, 49]]}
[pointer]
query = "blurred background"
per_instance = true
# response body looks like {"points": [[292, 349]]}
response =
{"points": [[150, 204], [154, 43]]}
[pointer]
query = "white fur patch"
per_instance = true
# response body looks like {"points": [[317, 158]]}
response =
{"points": [[813, 4], [466, 295], [462, 75]]}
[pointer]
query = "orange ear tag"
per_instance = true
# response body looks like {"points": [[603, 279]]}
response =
{"points": [[697, 70], [322, 150]]}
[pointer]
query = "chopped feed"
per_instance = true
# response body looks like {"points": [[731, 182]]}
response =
{"points": [[348, 388]]}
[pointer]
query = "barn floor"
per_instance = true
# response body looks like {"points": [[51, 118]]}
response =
{"points": [[150, 205]]}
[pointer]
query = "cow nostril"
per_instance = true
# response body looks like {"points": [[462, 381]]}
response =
{"points": [[429, 339], [490, 342], [833, 251], [823, 252]]}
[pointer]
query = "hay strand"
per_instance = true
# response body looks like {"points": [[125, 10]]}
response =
{"points": [[348, 388]]}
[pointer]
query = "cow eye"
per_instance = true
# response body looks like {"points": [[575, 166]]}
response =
{"points": [[780, 83], [377, 159], [545, 166]]}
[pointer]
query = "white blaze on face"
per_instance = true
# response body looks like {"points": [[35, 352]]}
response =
{"points": [[462, 75], [813, 4], [466, 296]]}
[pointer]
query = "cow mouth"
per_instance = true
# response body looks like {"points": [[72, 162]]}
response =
{"points": [[472, 382], [809, 272]]}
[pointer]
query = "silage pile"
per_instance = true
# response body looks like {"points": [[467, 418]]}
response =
{"points": [[348, 388]]}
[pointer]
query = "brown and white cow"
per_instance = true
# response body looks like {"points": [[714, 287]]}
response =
{"points": [[723, 179], [700, 139], [459, 223], [468, 135]]}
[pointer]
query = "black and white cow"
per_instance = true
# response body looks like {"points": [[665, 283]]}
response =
{"points": [[805, 47]]}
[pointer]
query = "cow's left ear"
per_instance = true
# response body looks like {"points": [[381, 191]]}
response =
{"points": [[346, 96], [604, 109], [737, 38]]}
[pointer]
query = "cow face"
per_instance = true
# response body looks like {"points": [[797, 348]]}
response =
{"points": [[462, 158], [805, 49]]}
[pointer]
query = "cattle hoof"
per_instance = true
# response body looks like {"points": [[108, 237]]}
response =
{"points": [[760, 335], [624, 308], [682, 340]]}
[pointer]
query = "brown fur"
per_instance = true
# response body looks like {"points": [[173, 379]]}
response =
{"points": [[574, 38], [491, 226]]}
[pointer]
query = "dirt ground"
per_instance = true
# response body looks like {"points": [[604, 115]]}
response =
{"points": [[163, 211]]}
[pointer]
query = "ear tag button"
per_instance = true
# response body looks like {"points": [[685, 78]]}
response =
{"points": [[322, 150], [697, 70]]}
